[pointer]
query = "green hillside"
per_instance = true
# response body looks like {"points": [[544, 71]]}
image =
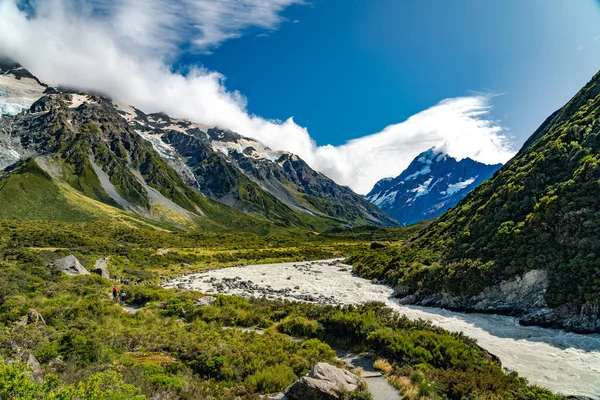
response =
{"points": [[93, 150], [29, 193], [540, 211]]}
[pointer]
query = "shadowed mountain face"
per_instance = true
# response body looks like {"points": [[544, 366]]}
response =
{"points": [[432, 183], [154, 165], [238, 171]]}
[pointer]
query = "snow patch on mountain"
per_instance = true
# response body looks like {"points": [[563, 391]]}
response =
{"points": [[248, 147], [424, 171], [78, 99], [170, 155], [455, 187], [387, 198], [17, 95], [423, 188]]}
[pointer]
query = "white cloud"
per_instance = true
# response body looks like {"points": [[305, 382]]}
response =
{"points": [[122, 48]]}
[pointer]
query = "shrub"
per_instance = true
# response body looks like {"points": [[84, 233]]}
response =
{"points": [[299, 326], [272, 379]]}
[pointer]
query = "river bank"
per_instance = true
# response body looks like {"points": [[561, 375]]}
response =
{"points": [[564, 362]]}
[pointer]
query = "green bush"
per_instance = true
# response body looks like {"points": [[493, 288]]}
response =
{"points": [[271, 380], [299, 326]]}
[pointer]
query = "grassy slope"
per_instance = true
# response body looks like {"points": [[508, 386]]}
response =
{"points": [[28, 193], [541, 210], [173, 346]]}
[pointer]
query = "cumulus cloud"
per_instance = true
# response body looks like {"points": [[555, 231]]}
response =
{"points": [[123, 47]]}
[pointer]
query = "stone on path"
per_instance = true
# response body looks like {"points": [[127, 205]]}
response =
{"points": [[101, 268], [323, 382]]}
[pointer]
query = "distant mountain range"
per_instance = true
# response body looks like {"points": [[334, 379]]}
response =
{"points": [[156, 166], [432, 183]]}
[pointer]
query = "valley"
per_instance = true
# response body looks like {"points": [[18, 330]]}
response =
{"points": [[564, 362], [145, 256]]}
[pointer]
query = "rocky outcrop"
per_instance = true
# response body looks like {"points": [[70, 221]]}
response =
{"points": [[584, 319], [101, 268], [514, 296], [33, 317], [324, 382], [522, 296], [21, 356], [205, 301], [379, 245], [69, 265]]}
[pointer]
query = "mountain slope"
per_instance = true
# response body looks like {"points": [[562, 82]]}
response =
{"points": [[245, 174], [432, 183], [27, 192], [116, 155], [525, 241]]}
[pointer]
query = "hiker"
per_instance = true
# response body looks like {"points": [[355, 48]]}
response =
{"points": [[115, 293], [123, 295]]}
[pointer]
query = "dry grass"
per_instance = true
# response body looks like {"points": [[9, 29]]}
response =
{"points": [[408, 386], [383, 366], [156, 358]]}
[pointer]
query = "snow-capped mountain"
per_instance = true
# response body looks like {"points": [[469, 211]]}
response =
{"points": [[119, 155], [432, 183]]}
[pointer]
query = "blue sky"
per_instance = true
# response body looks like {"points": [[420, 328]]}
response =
{"points": [[356, 88], [351, 67]]}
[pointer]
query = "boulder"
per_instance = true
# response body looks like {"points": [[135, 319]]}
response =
{"points": [[323, 382], [379, 245], [101, 268], [20, 356], [274, 396], [205, 301], [69, 265], [34, 317]]}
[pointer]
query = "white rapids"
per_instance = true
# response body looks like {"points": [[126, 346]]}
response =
{"points": [[563, 362]]}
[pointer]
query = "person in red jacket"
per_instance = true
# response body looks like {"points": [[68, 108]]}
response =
{"points": [[115, 293]]}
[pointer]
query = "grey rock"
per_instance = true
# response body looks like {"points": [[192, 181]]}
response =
{"points": [[584, 319], [205, 301], [323, 382], [69, 265], [25, 357], [34, 317], [101, 268], [522, 296], [274, 396]]}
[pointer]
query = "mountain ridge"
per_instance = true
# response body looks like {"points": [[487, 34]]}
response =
{"points": [[128, 159]]}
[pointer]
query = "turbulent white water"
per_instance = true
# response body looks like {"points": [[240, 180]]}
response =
{"points": [[566, 363]]}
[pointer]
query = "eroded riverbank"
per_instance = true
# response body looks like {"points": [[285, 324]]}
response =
{"points": [[564, 362]]}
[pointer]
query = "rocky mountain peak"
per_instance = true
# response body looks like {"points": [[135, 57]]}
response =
{"points": [[432, 183]]}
